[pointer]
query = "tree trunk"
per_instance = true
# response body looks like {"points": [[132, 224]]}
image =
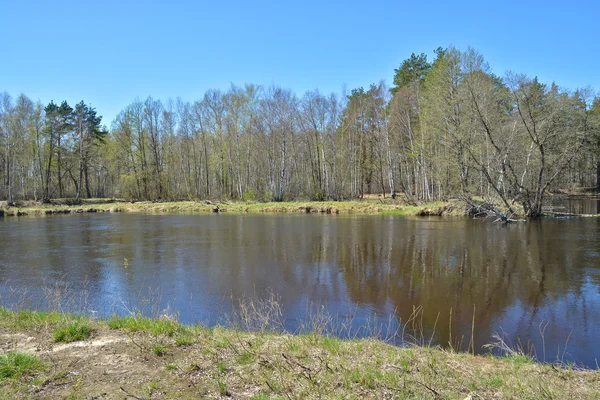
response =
{"points": [[80, 177], [87, 181], [598, 175], [58, 174], [282, 175]]}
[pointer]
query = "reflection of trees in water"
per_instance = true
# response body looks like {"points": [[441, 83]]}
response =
{"points": [[514, 275], [457, 265]]}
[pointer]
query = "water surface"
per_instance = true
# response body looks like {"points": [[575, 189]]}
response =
{"points": [[576, 205], [513, 279]]}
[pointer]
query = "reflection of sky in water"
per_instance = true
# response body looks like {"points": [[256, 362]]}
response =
{"points": [[575, 318], [200, 265]]}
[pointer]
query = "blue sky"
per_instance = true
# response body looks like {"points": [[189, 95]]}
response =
{"points": [[107, 53]]}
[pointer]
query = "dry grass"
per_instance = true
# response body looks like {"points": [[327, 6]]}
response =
{"points": [[158, 358], [377, 205]]}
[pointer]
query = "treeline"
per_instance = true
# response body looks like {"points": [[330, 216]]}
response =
{"points": [[445, 128], [47, 151]]}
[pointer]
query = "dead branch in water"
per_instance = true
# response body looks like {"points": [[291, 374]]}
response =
{"points": [[487, 210]]}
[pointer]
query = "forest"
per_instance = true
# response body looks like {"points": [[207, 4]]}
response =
{"points": [[444, 129]]}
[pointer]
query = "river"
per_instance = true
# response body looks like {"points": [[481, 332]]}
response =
{"points": [[535, 284]]}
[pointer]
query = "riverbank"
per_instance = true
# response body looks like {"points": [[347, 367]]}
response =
{"points": [[371, 206], [52, 355]]}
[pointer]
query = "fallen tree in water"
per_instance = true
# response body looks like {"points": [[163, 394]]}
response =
{"points": [[487, 209]]}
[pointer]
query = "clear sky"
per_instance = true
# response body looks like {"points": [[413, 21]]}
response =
{"points": [[107, 53]]}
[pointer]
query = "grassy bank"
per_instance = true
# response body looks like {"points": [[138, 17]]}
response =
{"points": [[367, 206], [52, 355]]}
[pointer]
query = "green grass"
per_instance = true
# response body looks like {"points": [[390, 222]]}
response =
{"points": [[494, 381], [72, 331], [171, 367], [159, 350], [183, 340], [27, 319], [222, 387], [157, 326], [15, 365], [153, 386], [245, 358], [519, 358], [331, 344], [294, 347], [221, 367], [403, 212]]}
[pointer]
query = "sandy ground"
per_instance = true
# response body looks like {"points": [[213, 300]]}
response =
{"points": [[109, 366]]}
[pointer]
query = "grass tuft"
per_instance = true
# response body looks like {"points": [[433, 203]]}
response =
{"points": [[72, 331], [183, 340], [154, 326], [222, 387], [221, 367], [159, 350], [519, 359], [153, 387], [15, 365]]}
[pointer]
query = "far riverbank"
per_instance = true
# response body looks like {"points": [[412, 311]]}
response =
{"points": [[371, 206]]}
